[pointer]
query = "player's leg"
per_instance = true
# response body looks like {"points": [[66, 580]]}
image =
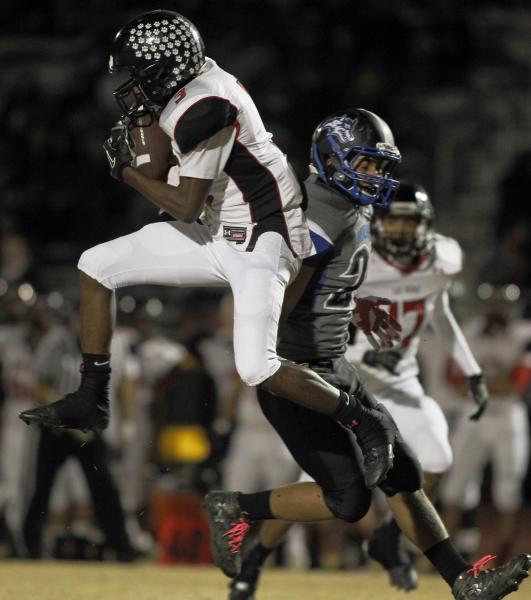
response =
{"points": [[270, 535], [471, 446], [258, 281], [424, 428], [51, 454], [108, 509], [420, 522], [321, 448], [166, 253], [510, 457]]}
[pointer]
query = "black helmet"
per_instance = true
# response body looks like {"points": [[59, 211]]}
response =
{"points": [[162, 51], [410, 201], [342, 138]]}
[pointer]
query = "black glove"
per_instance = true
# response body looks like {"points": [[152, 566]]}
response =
{"points": [[382, 360], [480, 393], [118, 148]]}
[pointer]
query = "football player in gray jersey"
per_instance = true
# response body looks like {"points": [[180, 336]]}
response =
{"points": [[320, 304]]}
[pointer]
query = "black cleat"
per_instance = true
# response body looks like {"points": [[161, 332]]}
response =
{"points": [[376, 434], [79, 410], [492, 584], [241, 590], [384, 548], [228, 528], [404, 577]]}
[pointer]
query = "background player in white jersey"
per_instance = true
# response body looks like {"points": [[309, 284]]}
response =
{"points": [[252, 235], [157, 354], [415, 266], [60, 346], [254, 459], [499, 341], [21, 328], [316, 333]]}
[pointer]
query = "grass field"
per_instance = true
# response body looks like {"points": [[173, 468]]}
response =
{"points": [[107, 581]]}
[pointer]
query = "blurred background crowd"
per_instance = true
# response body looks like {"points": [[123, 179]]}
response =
{"points": [[452, 78]]}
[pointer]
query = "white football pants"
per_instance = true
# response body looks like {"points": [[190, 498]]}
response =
{"points": [[186, 255], [421, 422], [501, 438]]}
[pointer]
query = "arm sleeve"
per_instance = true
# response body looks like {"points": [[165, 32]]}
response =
{"points": [[451, 336]]}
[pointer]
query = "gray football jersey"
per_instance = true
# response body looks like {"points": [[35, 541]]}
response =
{"points": [[318, 326]]}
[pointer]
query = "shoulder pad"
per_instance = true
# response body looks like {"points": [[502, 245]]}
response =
{"points": [[203, 119], [448, 255]]}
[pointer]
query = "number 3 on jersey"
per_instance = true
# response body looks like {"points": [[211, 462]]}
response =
{"points": [[342, 299], [399, 310]]}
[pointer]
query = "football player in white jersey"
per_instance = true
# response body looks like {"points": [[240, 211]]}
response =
{"points": [[414, 266], [501, 342], [252, 235]]}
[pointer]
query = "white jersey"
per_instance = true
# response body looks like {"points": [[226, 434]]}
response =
{"points": [[502, 437], [498, 355], [419, 298], [16, 361], [157, 356], [217, 133]]}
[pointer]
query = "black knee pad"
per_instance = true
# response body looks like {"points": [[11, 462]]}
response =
{"points": [[349, 503]]}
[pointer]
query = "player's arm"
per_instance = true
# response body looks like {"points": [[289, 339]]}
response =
{"points": [[184, 202], [451, 336], [203, 135]]}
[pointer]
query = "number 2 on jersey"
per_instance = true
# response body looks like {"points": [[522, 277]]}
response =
{"points": [[343, 299]]}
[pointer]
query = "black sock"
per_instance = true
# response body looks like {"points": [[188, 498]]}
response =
{"points": [[95, 374], [253, 562], [447, 560], [393, 527], [390, 529], [256, 506], [96, 363]]}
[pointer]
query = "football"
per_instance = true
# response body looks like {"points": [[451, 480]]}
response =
{"points": [[152, 148]]}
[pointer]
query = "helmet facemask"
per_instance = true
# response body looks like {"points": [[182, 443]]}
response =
{"points": [[403, 232], [406, 245], [335, 155], [145, 93]]}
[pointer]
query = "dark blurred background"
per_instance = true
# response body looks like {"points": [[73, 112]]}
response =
{"points": [[452, 78]]}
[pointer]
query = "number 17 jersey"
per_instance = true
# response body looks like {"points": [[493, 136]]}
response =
{"points": [[419, 299]]}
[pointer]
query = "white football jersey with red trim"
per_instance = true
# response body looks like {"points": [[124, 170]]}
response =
{"points": [[217, 133], [416, 295]]}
